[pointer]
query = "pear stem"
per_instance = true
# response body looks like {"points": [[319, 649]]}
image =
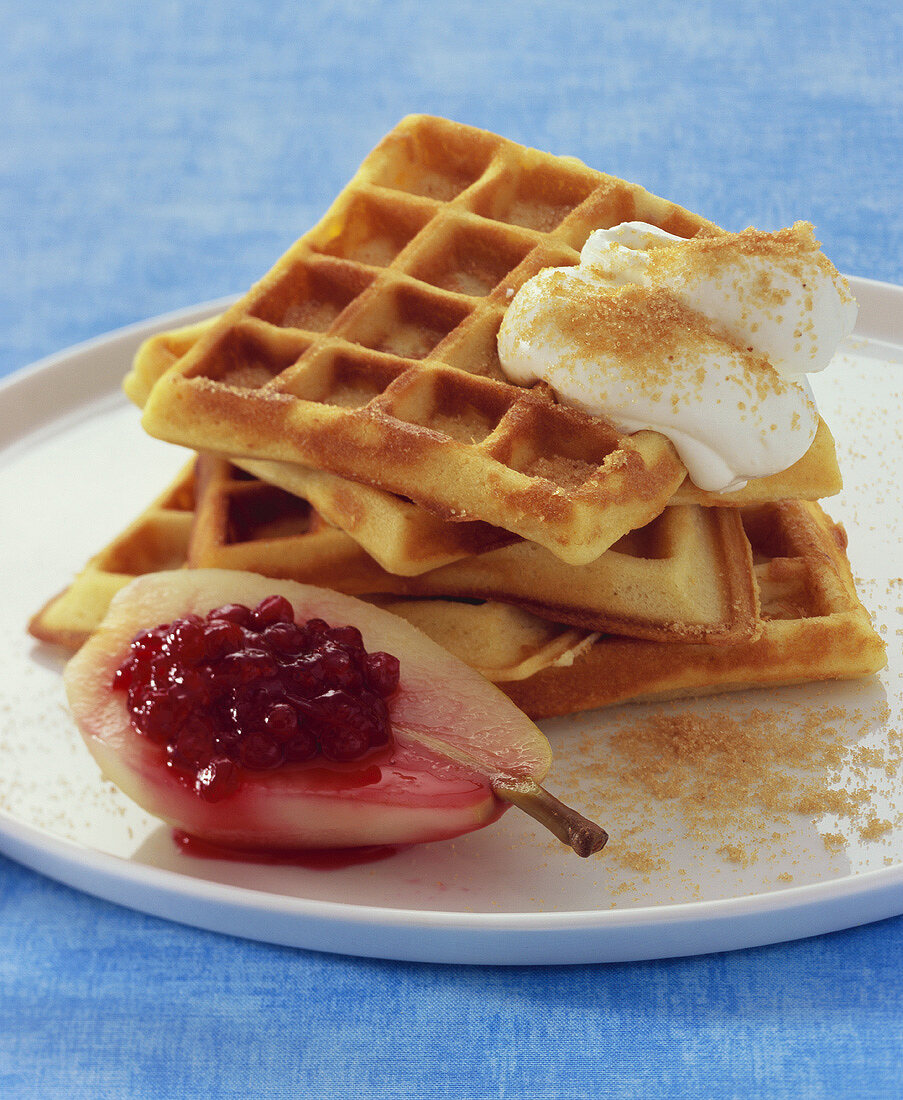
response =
{"points": [[570, 826]]}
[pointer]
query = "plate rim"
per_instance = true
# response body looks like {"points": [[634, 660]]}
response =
{"points": [[807, 893], [51, 854]]}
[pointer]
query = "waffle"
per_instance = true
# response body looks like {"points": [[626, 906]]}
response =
{"points": [[158, 539], [813, 625], [686, 575], [502, 642], [243, 523], [408, 540], [369, 350], [814, 628], [402, 537], [521, 644]]}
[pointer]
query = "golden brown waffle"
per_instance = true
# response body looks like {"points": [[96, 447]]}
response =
{"points": [[407, 539], [402, 537], [370, 349], [157, 540], [686, 575], [815, 628], [502, 642], [243, 523]]}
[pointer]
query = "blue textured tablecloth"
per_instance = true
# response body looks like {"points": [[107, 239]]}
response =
{"points": [[160, 154]]}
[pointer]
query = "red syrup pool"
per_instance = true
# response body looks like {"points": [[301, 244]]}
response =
{"points": [[313, 859]]}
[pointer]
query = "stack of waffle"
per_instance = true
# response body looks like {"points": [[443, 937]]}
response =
{"points": [[355, 430]]}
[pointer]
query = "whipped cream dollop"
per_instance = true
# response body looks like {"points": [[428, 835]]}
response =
{"points": [[707, 341]]}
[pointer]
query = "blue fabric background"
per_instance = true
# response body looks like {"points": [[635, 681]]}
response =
{"points": [[157, 155]]}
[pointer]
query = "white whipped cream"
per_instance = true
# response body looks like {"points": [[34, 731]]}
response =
{"points": [[706, 341]]}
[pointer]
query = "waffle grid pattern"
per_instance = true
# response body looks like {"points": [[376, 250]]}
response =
{"points": [[686, 575], [369, 349], [403, 537], [814, 628], [813, 624]]}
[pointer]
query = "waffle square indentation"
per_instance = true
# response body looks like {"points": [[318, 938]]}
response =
{"points": [[555, 443], [473, 346], [246, 359], [437, 400], [371, 229], [265, 512], [438, 162], [312, 295], [408, 321], [767, 537], [348, 379], [471, 258], [540, 197]]}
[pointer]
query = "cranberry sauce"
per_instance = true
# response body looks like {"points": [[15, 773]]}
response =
{"points": [[246, 690]]}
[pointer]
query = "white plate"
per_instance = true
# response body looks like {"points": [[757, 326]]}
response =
{"points": [[76, 467]]}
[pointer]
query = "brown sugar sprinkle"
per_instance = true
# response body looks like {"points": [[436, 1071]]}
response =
{"points": [[735, 777], [835, 842], [648, 327], [568, 472], [640, 857], [875, 828], [703, 255], [787, 243]]}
